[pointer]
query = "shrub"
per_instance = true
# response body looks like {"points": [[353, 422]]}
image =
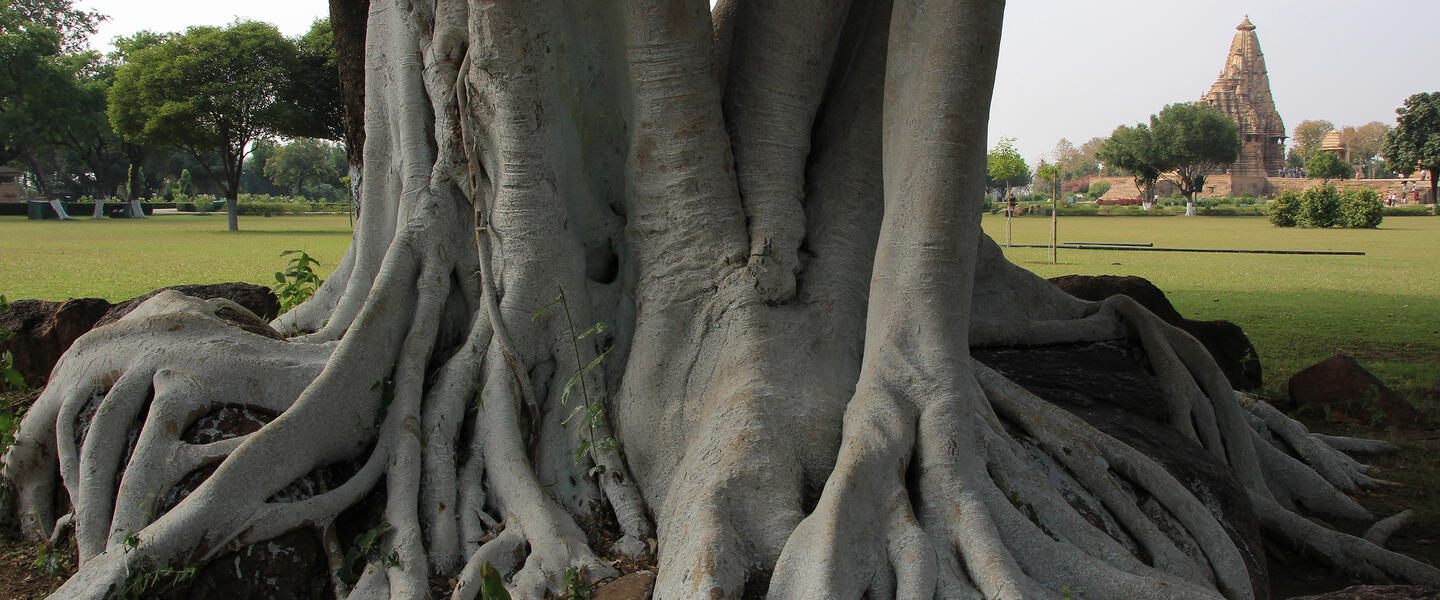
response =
{"points": [[1406, 211], [1361, 209], [1133, 211], [1218, 211], [1284, 209], [1098, 188], [1319, 207]]}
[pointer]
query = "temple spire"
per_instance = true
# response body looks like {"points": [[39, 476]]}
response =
{"points": [[1243, 92]]}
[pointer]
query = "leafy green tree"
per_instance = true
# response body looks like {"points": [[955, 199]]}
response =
{"points": [[1006, 167], [313, 109], [208, 90], [1132, 150], [1414, 142], [304, 161], [186, 183], [73, 26], [1326, 166], [1305, 141], [1193, 140], [32, 82]]}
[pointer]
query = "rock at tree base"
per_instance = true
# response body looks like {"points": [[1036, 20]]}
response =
{"points": [[635, 586], [1345, 391], [1226, 342], [1380, 592], [257, 299], [1106, 385], [44, 330]]}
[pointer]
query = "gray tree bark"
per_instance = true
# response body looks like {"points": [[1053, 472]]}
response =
{"points": [[776, 211]]}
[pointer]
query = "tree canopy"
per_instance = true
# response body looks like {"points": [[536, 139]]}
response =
{"points": [[1132, 150], [1193, 140], [218, 90], [1414, 142], [1006, 168], [1364, 145], [1306, 139], [1326, 165]]}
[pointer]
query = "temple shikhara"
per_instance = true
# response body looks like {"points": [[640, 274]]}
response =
{"points": [[1243, 92]]}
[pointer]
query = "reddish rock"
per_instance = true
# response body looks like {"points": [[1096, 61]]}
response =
{"points": [[257, 299], [1226, 342], [635, 586], [1344, 391], [1380, 592], [44, 330]]}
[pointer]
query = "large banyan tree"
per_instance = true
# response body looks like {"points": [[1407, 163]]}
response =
{"points": [[775, 209]]}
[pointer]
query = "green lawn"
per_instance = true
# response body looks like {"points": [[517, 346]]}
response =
{"points": [[118, 259], [1383, 308]]}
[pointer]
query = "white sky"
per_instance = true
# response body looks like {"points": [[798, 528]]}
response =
{"points": [[1077, 69]]}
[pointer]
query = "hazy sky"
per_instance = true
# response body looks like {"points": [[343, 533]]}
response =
{"points": [[1077, 69]]}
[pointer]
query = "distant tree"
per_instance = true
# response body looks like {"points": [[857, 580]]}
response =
{"points": [[313, 109], [1090, 152], [210, 90], [33, 81], [1326, 166], [303, 161], [1414, 142], [1076, 162], [186, 183], [1306, 139], [1364, 144], [73, 26], [1131, 150], [1193, 140], [1052, 174], [1005, 166]]}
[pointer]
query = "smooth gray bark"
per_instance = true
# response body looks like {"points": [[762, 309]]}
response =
{"points": [[776, 211]]}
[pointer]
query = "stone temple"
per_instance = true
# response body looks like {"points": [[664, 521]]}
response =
{"points": [[1243, 92]]}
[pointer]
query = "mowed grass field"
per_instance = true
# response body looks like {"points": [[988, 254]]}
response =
{"points": [[118, 259], [1383, 308]]}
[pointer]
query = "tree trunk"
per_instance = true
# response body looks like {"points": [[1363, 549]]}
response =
{"points": [[775, 213]]}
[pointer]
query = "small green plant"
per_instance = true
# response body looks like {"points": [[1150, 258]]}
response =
{"points": [[368, 548], [492, 587], [141, 583], [594, 411], [576, 586], [298, 282], [54, 562]]}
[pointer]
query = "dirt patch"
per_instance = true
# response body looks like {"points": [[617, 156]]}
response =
{"points": [[20, 578]]}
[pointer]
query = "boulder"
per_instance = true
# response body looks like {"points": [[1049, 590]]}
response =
{"points": [[1106, 385], [44, 330], [635, 586], [1226, 341], [1379, 592], [1343, 390], [257, 299]]}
